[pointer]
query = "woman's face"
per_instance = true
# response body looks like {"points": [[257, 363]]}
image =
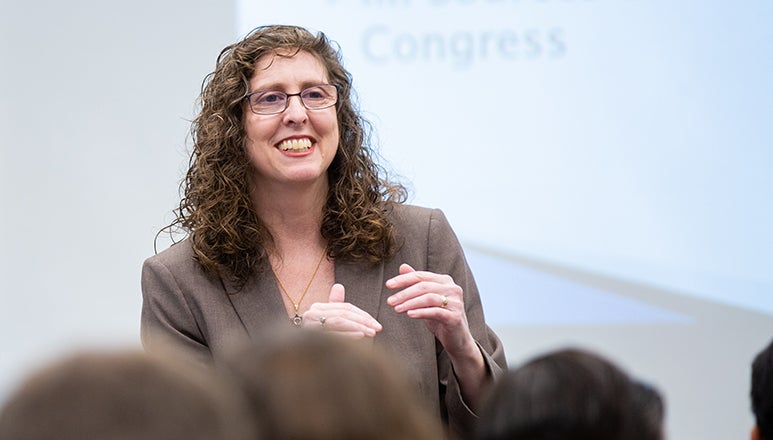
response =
{"points": [[297, 145]]}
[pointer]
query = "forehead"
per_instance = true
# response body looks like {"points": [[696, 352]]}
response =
{"points": [[286, 70]]}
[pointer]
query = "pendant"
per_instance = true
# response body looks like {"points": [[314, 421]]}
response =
{"points": [[296, 320]]}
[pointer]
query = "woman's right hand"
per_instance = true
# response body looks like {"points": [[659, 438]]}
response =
{"points": [[340, 317]]}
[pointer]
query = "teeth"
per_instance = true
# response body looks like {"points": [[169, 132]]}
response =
{"points": [[295, 145]]}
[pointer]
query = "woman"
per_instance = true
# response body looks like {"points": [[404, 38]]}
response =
{"points": [[288, 216]]}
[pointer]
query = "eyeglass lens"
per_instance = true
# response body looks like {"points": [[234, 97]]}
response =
{"points": [[313, 98]]}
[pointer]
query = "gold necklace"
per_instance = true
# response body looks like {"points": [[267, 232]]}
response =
{"points": [[297, 320]]}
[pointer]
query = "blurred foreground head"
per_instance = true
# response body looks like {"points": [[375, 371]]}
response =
{"points": [[571, 394], [313, 386], [121, 395], [762, 393]]}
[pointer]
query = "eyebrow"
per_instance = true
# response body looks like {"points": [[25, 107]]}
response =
{"points": [[280, 87]]}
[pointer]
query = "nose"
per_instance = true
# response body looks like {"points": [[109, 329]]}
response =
{"points": [[295, 113]]}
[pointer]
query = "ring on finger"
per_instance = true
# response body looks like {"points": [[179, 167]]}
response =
{"points": [[322, 320], [444, 302]]}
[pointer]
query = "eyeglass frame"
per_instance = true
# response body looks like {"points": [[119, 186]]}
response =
{"points": [[287, 99]]}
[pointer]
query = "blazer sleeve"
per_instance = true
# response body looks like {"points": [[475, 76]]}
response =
{"points": [[167, 323], [445, 255]]}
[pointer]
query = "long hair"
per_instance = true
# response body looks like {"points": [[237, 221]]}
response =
{"points": [[228, 237]]}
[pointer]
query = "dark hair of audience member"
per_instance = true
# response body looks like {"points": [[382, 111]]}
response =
{"points": [[648, 411], [762, 393], [122, 395], [314, 386], [570, 394]]}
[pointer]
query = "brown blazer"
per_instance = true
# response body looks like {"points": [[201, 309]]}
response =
{"points": [[204, 316]]}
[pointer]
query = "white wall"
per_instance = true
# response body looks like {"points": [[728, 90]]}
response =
{"points": [[94, 98]]}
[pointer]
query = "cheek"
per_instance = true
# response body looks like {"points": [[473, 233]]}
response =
{"points": [[255, 148], [326, 122], [332, 129], [336, 134], [257, 131]]}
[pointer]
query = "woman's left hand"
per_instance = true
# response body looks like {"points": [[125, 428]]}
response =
{"points": [[439, 301]]}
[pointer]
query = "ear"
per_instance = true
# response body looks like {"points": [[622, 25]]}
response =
{"points": [[756, 433]]}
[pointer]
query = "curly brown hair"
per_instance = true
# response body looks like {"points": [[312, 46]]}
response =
{"points": [[228, 237]]}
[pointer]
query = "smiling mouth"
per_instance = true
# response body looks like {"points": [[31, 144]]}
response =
{"points": [[295, 145]]}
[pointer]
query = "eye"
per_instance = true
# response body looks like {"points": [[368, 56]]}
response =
{"points": [[316, 93], [269, 98]]}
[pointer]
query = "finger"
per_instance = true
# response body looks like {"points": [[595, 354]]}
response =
{"points": [[424, 301], [337, 293], [406, 268], [339, 325], [346, 312], [433, 313], [360, 318], [422, 288], [343, 324], [409, 276]]}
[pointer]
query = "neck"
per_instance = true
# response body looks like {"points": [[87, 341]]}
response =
{"points": [[292, 212]]}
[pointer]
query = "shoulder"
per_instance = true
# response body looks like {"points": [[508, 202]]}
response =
{"points": [[177, 266], [176, 257], [412, 218], [401, 214], [426, 240]]}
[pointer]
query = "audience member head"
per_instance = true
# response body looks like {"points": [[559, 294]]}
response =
{"points": [[314, 386], [648, 411], [762, 393], [122, 395], [570, 394]]}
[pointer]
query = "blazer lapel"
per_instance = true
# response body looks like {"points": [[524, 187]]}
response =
{"points": [[259, 303], [364, 284]]}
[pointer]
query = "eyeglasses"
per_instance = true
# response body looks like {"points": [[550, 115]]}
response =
{"points": [[274, 101]]}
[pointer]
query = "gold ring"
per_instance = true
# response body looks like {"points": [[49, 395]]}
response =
{"points": [[322, 321], [444, 304]]}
